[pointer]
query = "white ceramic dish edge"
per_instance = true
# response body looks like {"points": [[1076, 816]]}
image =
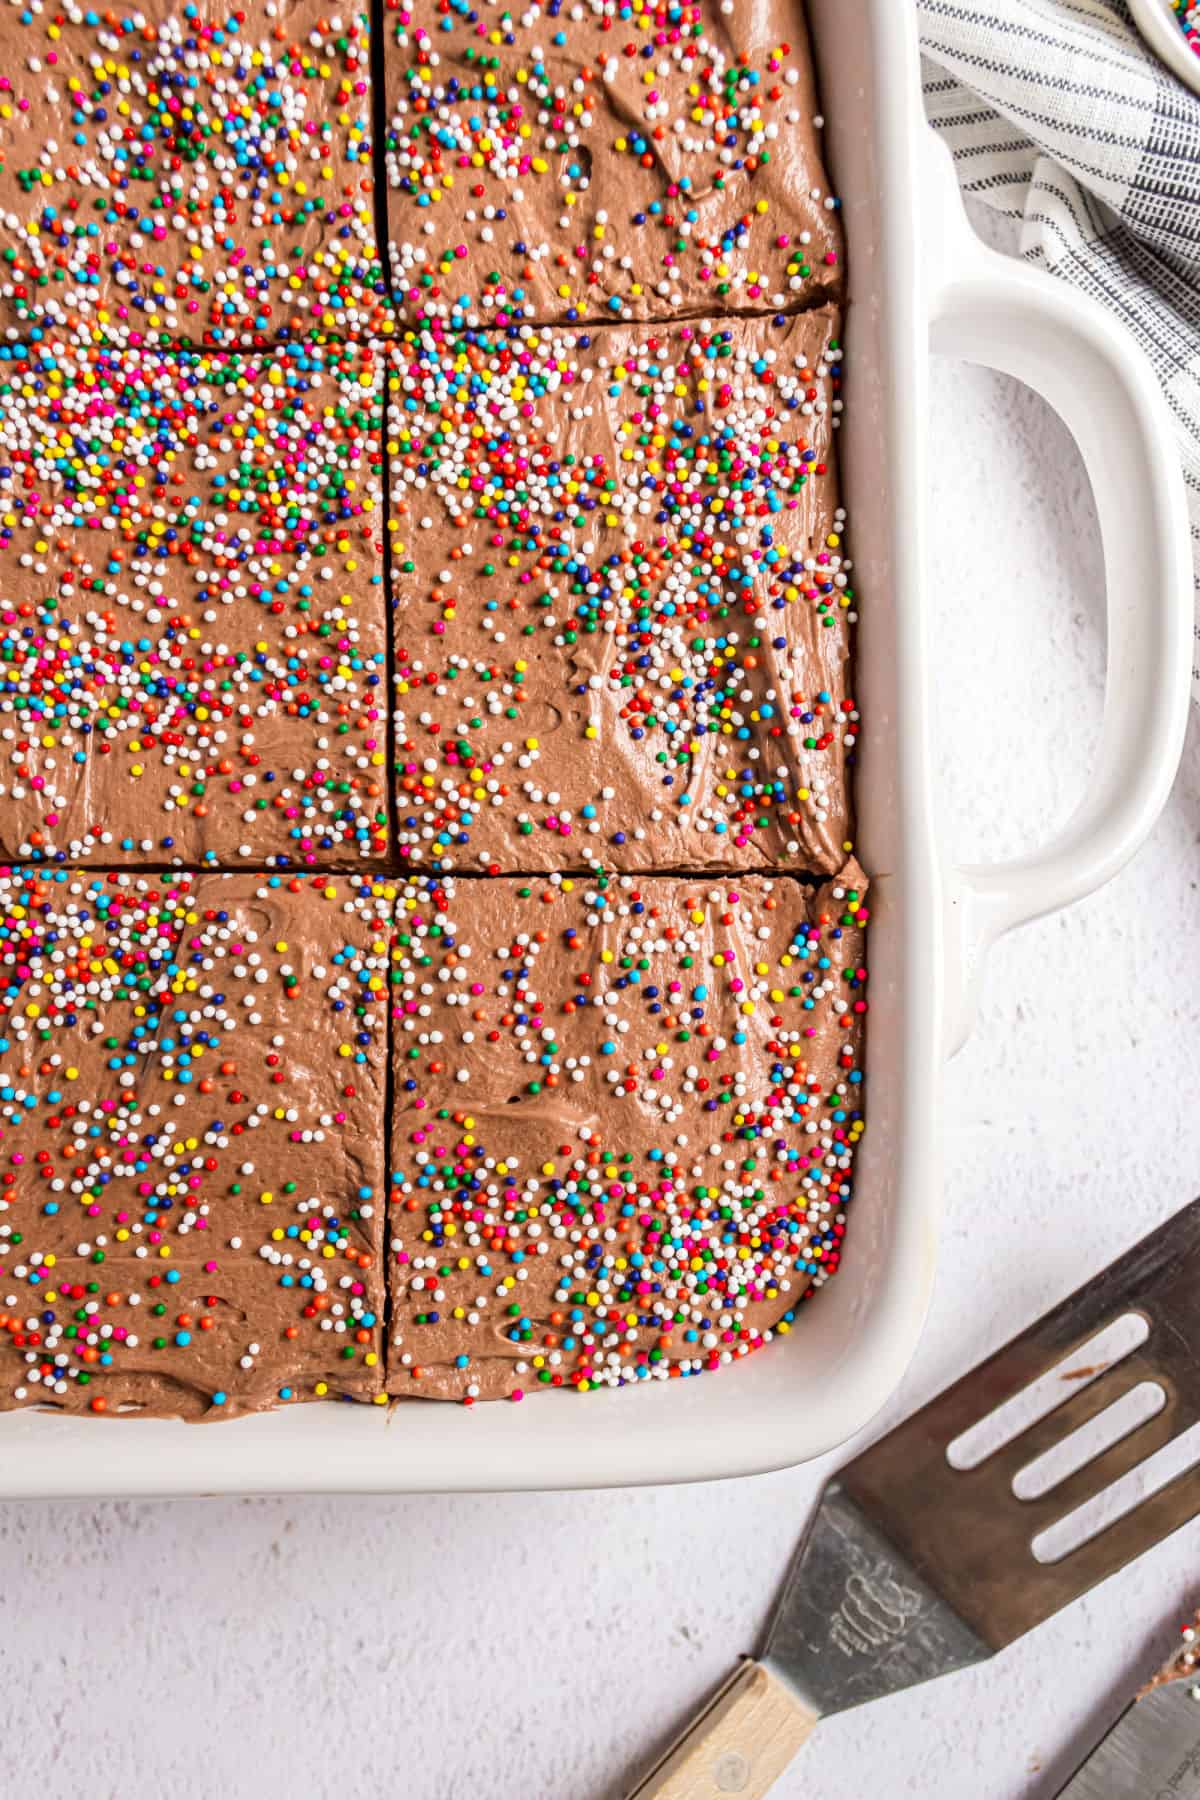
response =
{"points": [[1158, 26], [916, 269]]}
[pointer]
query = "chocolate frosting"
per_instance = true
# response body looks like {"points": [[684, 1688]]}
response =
{"points": [[623, 614], [192, 613], [624, 1120], [201, 173], [1184, 1665], [591, 163], [192, 1112], [573, 1100]]}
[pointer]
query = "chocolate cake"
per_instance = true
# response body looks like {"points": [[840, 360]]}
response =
{"points": [[192, 658], [622, 613], [604, 161], [432, 946], [624, 1153], [1184, 1665], [200, 172], [191, 1122]]}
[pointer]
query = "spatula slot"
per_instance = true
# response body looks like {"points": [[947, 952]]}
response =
{"points": [[1119, 1499], [1090, 1440], [1038, 1398]]}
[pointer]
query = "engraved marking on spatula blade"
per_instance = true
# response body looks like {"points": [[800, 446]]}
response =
{"points": [[874, 1611], [855, 1621]]}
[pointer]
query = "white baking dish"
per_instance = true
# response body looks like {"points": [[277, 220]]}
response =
{"points": [[913, 264], [1160, 28]]}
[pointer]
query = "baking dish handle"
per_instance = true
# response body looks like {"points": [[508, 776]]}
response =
{"points": [[991, 309]]}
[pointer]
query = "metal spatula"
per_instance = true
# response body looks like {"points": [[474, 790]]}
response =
{"points": [[1151, 1753], [912, 1567]]}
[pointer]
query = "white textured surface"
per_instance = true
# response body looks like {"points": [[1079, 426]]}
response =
{"points": [[539, 1648]]}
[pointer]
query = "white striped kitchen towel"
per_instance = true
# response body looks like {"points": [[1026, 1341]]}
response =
{"points": [[1059, 115]]}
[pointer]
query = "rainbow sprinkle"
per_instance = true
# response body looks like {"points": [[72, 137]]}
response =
{"points": [[620, 160], [192, 628], [152, 1152], [1187, 17], [627, 1155], [205, 176], [622, 606], [432, 948]]}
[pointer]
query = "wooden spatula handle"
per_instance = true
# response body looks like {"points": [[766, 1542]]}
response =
{"points": [[741, 1743]]}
